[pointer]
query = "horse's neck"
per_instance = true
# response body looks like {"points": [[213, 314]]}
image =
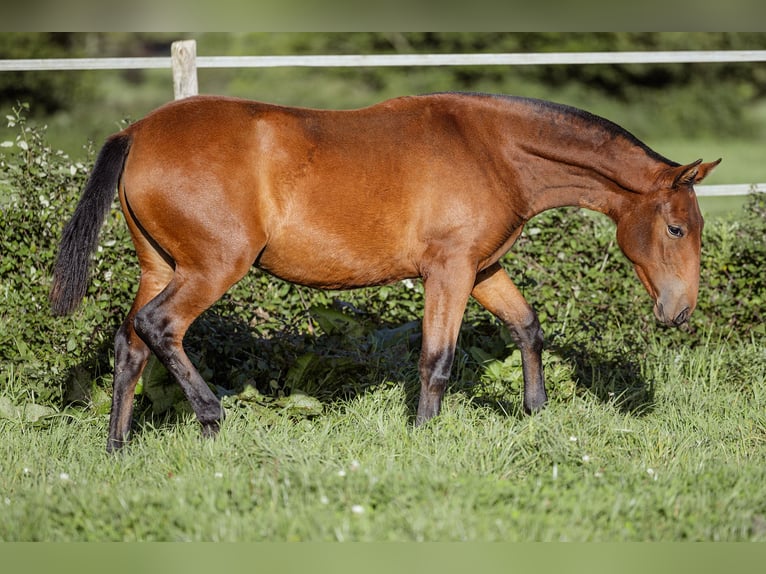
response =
{"points": [[558, 159], [579, 165]]}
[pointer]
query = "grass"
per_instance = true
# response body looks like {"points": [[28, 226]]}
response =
{"points": [[663, 442], [689, 464]]}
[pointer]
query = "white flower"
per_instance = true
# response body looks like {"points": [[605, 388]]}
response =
{"points": [[218, 475], [357, 509], [324, 500], [341, 473], [64, 476], [572, 439], [354, 466], [585, 458]]}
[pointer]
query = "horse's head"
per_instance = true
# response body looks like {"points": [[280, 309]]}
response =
{"points": [[661, 235]]}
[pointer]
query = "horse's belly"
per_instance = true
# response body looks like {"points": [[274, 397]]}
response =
{"points": [[325, 265]]}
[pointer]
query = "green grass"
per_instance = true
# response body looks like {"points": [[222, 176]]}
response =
{"points": [[649, 435], [686, 462]]}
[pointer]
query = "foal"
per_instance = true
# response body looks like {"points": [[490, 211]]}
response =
{"points": [[437, 186]]}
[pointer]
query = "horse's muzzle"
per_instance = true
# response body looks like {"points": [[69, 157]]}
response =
{"points": [[680, 319]]}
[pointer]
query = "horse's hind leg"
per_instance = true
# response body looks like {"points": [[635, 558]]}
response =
{"points": [[495, 291], [130, 351], [162, 324], [130, 357]]}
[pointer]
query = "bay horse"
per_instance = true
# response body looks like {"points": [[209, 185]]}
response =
{"points": [[437, 187]]}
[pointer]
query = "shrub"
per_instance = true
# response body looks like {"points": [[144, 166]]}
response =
{"points": [[280, 338], [38, 190], [733, 282]]}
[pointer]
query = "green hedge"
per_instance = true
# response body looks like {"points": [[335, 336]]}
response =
{"points": [[279, 337]]}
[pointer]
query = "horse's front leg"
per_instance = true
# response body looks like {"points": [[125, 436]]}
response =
{"points": [[447, 288], [495, 291]]}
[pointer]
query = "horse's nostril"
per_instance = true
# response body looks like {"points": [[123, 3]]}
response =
{"points": [[682, 317]]}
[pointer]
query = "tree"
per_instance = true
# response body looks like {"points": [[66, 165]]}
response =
{"points": [[50, 91]]}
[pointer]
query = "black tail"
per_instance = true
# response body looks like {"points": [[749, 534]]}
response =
{"points": [[80, 237]]}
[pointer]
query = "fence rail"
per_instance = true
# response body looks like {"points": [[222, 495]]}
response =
{"points": [[184, 64], [403, 60]]}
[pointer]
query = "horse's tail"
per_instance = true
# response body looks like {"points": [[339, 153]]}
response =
{"points": [[80, 237]]}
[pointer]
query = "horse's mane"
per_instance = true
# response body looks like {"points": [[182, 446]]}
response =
{"points": [[586, 117]]}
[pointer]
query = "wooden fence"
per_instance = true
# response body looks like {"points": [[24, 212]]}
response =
{"points": [[184, 63]]}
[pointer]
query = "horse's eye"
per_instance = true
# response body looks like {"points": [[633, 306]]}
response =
{"points": [[675, 231]]}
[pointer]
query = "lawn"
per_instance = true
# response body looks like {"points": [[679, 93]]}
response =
{"points": [[650, 434], [686, 462]]}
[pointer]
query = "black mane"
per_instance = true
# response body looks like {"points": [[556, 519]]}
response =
{"points": [[585, 116]]}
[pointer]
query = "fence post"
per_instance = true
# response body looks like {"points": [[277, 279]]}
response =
{"points": [[184, 60]]}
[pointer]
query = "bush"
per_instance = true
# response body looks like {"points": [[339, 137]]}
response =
{"points": [[733, 282], [280, 338], [40, 187]]}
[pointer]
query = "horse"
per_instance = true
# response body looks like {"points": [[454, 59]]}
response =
{"points": [[436, 187]]}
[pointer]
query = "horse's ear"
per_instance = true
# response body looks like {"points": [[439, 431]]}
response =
{"points": [[692, 173]]}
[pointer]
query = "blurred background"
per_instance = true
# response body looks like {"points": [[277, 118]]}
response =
{"points": [[683, 111]]}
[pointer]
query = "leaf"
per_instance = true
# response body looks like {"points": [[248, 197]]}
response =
{"points": [[250, 395], [300, 403], [389, 337], [7, 409], [30, 412], [33, 412], [336, 322], [296, 373], [156, 385], [101, 401], [24, 351], [480, 355]]}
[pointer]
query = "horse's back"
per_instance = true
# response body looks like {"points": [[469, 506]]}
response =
{"points": [[323, 198]]}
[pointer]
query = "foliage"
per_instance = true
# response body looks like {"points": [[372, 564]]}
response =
{"points": [[733, 280], [651, 100], [38, 188], [650, 434], [275, 338], [690, 100], [51, 91]]}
